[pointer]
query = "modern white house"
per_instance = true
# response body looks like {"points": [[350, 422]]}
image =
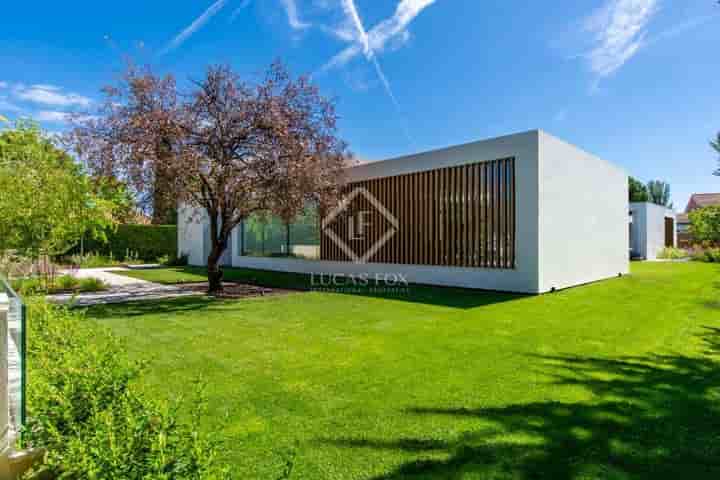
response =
{"points": [[521, 213], [652, 228]]}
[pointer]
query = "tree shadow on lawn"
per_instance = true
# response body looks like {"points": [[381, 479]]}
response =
{"points": [[154, 307], [654, 416]]}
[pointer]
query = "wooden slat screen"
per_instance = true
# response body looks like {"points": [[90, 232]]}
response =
{"points": [[460, 216]]}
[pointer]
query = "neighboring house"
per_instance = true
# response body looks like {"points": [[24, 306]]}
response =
{"points": [[683, 230], [652, 228], [701, 200], [697, 200], [522, 213]]}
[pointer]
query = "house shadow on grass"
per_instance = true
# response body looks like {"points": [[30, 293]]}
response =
{"points": [[651, 417], [460, 298]]}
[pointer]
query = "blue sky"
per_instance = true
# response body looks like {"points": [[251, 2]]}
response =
{"points": [[634, 81]]}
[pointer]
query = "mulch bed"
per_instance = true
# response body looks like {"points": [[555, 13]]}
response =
{"points": [[236, 290]]}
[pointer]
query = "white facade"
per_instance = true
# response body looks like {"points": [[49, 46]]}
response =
{"points": [[571, 219], [647, 230]]}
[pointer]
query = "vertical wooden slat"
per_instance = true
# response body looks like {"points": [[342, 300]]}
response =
{"points": [[481, 214], [415, 203], [437, 199], [513, 244], [466, 217], [506, 263], [452, 223], [422, 219], [488, 220], [441, 219], [461, 216], [379, 225], [455, 216], [469, 218], [501, 214], [406, 237], [496, 261], [457, 186], [491, 213], [475, 215], [495, 213]]}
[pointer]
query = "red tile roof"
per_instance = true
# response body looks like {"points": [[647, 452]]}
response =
{"points": [[700, 200]]}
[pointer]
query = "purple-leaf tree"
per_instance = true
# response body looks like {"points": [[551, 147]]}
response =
{"points": [[230, 148]]}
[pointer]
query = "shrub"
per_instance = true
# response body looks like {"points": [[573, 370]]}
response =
{"points": [[65, 282], [29, 286], [85, 409], [173, 260], [93, 260], [705, 224], [91, 284], [711, 255], [13, 265], [671, 253]]}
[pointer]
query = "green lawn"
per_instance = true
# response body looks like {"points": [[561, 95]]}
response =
{"points": [[175, 275], [615, 380]]}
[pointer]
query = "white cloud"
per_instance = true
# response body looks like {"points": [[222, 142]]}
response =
{"points": [[353, 17], [51, 116], [381, 34], [354, 29], [619, 29], [293, 16], [238, 10], [7, 106], [49, 95], [54, 116], [198, 23]]}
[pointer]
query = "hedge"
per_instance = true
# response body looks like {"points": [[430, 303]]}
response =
{"points": [[147, 242]]}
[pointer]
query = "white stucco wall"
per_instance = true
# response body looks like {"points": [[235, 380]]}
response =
{"points": [[190, 234], [648, 229], [583, 216], [193, 239]]}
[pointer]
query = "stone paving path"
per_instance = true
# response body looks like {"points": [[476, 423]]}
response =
{"points": [[122, 289]]}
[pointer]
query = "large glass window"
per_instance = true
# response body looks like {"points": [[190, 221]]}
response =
{"points": [[268, 236], [305, 235]]}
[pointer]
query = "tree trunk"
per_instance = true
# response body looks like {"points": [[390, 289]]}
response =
{"points": [[287, 239], [218, 237], [215, 275]]}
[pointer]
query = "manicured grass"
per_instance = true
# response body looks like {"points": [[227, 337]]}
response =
{"points": [[175, 275], [619, 379]]}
